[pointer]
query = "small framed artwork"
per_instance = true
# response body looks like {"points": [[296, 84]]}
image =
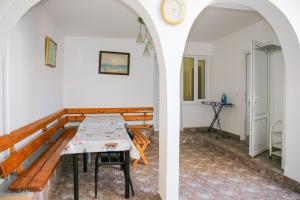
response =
{"points": [[50, 52], [115, 63]]}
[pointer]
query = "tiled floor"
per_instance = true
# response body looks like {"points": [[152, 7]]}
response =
{"points": [[234, 146], [238, 150], [204, 174]]}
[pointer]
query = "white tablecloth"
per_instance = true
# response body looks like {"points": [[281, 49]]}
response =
{"points": [[102, 133]]}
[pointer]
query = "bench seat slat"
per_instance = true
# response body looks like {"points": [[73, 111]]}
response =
{"points": [[141, 142], [141, 138], [141, 126], [24, 178], [138, 117], [137, 138], [43, 175], [75, 118]]}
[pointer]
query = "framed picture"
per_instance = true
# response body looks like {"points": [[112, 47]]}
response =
{"points": [[50, 52], [115, 63]]}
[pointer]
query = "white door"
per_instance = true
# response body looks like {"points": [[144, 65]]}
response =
{"points": [[247, 97], [259, 109]]}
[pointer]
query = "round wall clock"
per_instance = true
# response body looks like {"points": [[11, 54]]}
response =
{"points": [[173, 11]]}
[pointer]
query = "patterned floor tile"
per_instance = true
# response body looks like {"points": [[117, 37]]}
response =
{"points": [[204, 174]]}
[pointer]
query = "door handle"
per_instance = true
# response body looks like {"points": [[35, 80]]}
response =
{"points": [[249, 101]]}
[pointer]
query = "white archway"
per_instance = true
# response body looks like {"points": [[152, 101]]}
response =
{"points": [[17, 9], [291, 51], [169, 153]]}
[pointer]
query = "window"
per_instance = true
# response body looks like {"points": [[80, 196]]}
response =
{"points": [[201, 79], [188, 79], [194, 79]]}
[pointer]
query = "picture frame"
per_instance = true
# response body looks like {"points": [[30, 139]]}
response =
{"points": [[114, 63], [50, 52]]}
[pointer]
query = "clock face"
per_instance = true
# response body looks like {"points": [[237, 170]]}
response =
{"points": [[173, 11]]}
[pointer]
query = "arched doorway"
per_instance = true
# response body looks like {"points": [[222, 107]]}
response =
{"points": [[213, 63], [286, 34], [140, 53]]}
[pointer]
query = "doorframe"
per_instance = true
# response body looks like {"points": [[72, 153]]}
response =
{"points": [[5, 66], [246, 52], [156, 100], [255, 43]]}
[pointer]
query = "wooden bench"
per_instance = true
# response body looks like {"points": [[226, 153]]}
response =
{"points": [[37, 175], [141, 142], [143, 114], [130, 115]]}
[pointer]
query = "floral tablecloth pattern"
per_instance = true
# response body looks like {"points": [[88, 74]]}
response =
{"points": [[102, 133]]}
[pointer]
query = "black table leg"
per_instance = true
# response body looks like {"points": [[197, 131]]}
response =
{"points": [[85, 158], [127, 174], [75, 176]]}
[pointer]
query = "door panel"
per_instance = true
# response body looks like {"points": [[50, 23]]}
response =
{"points": [[259, 100], [260, 136], [260, 84], [248, 91]]}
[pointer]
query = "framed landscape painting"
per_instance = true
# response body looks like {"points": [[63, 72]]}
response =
{"points": [[115, 63], [50, 54]]}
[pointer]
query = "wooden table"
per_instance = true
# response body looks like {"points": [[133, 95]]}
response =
{"points": [[102, 133]]}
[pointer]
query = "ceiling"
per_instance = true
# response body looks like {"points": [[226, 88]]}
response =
{"points": [[101, 18], [111, 18], [215, 23]]}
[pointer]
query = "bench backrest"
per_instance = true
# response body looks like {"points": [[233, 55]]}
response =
{"points": [[16, 158], [143, 114]]}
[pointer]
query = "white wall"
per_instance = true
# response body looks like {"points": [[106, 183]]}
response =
{"points": [[198, 48], [84, 87], [35, 89], [226, 67], [228, 71], [2, 72], [4, 5], [32, 89]]}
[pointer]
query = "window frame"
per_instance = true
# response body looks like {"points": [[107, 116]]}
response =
{"points": [[196, 78]]}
